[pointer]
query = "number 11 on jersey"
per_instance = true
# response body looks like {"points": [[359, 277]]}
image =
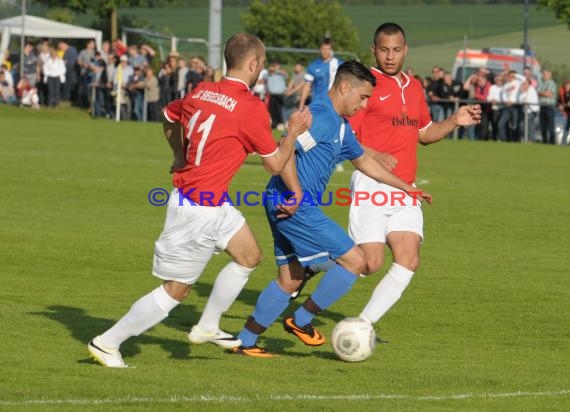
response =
{"points": [[204, 128]]}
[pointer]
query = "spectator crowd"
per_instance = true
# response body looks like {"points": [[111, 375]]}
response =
{"points": [[511, 101], [118, 74]]}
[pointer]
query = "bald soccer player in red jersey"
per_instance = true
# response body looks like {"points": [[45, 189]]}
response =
{"points": [[391, 126], [222, 123]]}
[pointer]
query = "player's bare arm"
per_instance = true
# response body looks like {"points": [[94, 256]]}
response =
{"points": [[464, 116], [175, 138], [374, 170], [305, 90], [291, 180], [299, 122], [385, 159]]}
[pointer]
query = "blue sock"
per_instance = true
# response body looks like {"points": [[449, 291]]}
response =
{"points": [[270, 304], [336, 283]]}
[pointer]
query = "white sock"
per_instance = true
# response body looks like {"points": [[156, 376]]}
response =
{"points": [[227, 287], [143, 315], [387, 293]]}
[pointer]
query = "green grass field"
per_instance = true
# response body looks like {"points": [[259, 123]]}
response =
{"points": [[484, 325]]}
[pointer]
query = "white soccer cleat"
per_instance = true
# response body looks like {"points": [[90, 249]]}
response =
{"points": [[110, 358], [220, 338]]}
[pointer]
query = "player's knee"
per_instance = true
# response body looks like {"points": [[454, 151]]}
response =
{"points": [[176, 290], [288, 285], [358, 263], [373, 263], [251, 260], [411, 262]]}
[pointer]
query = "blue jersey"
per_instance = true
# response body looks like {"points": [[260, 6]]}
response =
{"points": [[310, 236], [330, 140], [321, 74]]}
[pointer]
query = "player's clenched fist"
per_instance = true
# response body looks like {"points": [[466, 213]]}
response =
{"points": [[300, 121]]}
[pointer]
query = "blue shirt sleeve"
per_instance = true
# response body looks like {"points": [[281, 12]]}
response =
{"points": [[351, 149]]}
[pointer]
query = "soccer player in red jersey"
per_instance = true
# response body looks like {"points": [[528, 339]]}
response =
{"points": [[391, 126], [222, 123]]}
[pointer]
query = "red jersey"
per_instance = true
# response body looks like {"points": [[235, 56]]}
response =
{"points": [[391, 121], [223, 122]]}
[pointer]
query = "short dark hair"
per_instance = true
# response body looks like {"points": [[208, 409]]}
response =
{"points": [[239, 47], [326, 41], [351, 70], [389, 29]]}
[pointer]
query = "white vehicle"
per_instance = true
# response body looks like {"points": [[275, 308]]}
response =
{"points": [[494, 59]]}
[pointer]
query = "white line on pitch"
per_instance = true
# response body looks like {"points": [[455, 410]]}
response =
{"points": [[230, 398]]}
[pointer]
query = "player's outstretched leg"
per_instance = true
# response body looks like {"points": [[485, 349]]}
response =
{"points": [[227, 287], [144, 314], [311, 272], [336, 282], [270, 304], [406, 250]]}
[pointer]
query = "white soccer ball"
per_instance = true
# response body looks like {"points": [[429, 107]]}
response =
{"points": [[353, 339]]}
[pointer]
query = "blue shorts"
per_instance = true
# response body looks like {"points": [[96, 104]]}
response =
{"points": [[308, 236]]}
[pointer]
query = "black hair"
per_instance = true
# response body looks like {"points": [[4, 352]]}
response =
{"points": [[389, 29], [326, 41], [351, 70]]}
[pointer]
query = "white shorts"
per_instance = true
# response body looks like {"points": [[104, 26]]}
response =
{"points": [[371, 223], [190, 237]]}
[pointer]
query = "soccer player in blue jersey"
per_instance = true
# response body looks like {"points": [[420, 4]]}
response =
{"points": [[320, 73], [303, 235]]}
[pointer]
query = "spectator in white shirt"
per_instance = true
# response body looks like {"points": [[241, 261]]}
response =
{"points": [[508, 122], [494, 97], [54, 76], [529, 97]]}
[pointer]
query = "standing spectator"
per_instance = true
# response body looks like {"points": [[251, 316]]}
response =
{"points": [[481, 92], [449, 90], [182, 72], [98, 70], [494, 98], [433, 91], [276, 86], [7, 95], [152, 96], [508, 121], [30, 63], [119, 48], [105, 50], [70, 61], [148, 53], [196, 73], [136, 88], [43, 55], [136, 59], [564, 102], [121, 77], [293, 93], [54, 76], [84, 61], [165, 84], [530, 109], [527, 73], [260, 87], [7, 75], [110, 69], [547, 98], [320, 73]]}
